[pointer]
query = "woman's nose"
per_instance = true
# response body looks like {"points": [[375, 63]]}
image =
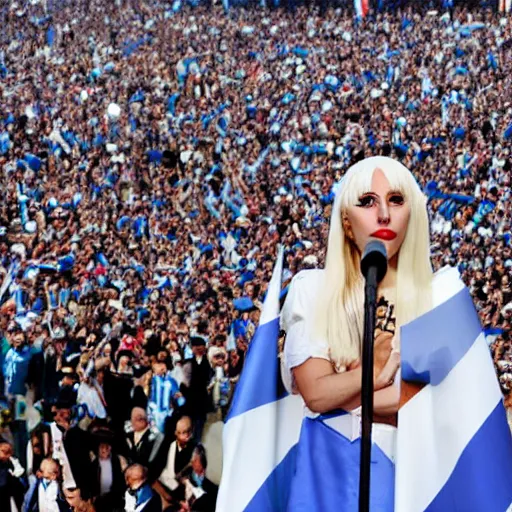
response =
{"points": [[383, 214]]}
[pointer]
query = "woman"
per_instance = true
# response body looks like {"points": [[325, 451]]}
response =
{"points": [[323, 319]]}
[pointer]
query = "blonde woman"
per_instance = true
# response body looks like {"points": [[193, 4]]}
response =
{"points": [[323, 313]]}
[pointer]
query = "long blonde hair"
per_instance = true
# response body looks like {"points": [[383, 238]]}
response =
{"points": [[340, 308]]}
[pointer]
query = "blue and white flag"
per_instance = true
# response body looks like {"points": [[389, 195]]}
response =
{"points": [[454, 447], [262, 429]]}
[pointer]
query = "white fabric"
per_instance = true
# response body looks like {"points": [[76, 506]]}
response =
{"points": [[59, 453], [296, 319], [17, 470], [258, 423], [276, 425], [192, 492], [137, 436], [106, 476], [349, 425], [130, 502], [477, 397], [47, 498], [88, 395], [167, 476]]}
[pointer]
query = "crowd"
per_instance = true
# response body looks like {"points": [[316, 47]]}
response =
{"points": [[152, 158]]}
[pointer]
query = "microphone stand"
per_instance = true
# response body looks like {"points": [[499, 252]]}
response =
{"points": [[370, 309]]}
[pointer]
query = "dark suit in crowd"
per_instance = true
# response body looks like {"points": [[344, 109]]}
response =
{"points": [[198, 401]]}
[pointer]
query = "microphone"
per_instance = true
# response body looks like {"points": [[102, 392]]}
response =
{"points": [[374, 261], [374, 265]]}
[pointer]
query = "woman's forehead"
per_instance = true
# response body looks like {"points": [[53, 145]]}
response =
{"points": [[368, 180]]}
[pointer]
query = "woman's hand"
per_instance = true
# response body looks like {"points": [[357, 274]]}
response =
{"points": [[386, 377], [381, 351], [385, 361]]}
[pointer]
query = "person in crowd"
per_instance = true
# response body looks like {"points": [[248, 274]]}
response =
{"points": [[199, 374], [164, 396], [12, 485], [143, 441], [70, 446], [197, 491], [107, 468], [76, 502], [173, 459], [139, 495], [45, 494]]}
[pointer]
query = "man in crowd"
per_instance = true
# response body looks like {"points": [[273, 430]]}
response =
{"points": [[140, 497], [174, 458], [143, 441]]}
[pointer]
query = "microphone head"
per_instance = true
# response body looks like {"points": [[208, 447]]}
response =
{"points": [[375, 255]]}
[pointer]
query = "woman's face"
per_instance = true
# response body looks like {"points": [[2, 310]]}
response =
{"points": [[381, 213]]}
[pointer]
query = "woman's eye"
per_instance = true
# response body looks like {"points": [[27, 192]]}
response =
{"points": [[366, 201], [396, 199]]}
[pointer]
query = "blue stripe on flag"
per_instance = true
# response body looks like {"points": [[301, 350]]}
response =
{"points": [[447, 337], [327, 475], [274, 493], [485, 462], [260, 381]]}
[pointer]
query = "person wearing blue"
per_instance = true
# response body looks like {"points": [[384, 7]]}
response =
{"points": [[140, 497], [323, 319], [165, 396], [16, 364]]}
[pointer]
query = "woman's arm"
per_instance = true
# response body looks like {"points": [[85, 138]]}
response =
{"points": [[386, 401], [324, 390]]}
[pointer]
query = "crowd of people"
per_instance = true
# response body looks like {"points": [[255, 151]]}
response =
{"points": [[153, 156]]}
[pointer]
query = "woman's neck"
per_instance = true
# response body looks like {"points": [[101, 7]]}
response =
{"points": [[389, 281]]}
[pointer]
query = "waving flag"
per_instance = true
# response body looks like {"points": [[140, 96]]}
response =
{"points": [[262, 429], [454, 448], [362, 8]]}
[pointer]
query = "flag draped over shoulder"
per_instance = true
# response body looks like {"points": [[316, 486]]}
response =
{"points": [[454, 448], [453, 445], [262, 429]]}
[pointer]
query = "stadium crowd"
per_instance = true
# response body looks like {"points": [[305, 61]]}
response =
{"points": [[152, 158]]}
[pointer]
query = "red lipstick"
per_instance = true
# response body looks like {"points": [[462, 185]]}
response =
{"points": [[384, 234]]}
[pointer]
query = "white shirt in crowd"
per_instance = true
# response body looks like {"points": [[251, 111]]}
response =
{"points": [[47, 497], [106, 477], [59, 453]]}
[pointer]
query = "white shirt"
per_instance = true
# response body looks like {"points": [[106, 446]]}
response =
{"points": [[137, 436], [60, 454], [47, 498], [167, 476], [106, 476]]}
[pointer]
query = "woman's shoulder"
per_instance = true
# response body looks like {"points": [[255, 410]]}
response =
{"points": [[305, 279], [303, 289]]}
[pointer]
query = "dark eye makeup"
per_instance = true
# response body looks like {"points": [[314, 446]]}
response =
{"points": [[368, 200], [396, 198]]}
